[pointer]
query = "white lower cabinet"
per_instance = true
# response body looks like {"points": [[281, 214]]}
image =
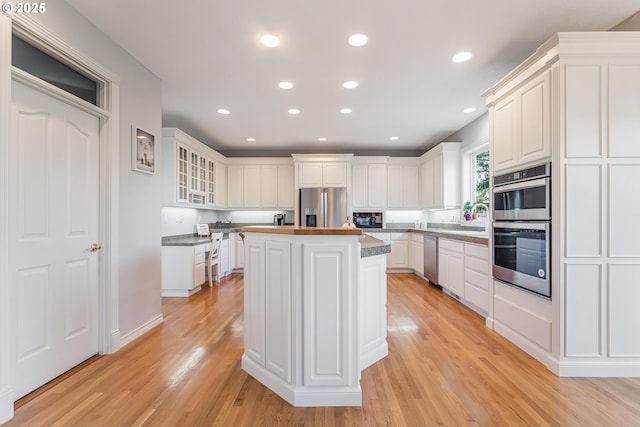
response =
{"points": [[464, 272], [416, 253], [399, 256], [451, 266], [267, 338], [238, 251], [183, 269], [372, 282], [224, 258], [476, 275]]}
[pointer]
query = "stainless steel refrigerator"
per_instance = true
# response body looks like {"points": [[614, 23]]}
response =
{"points": [[323, 207]]}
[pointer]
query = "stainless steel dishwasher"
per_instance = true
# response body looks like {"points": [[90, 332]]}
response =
{"points": [[431, 259]]}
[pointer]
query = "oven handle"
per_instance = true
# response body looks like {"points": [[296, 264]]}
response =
{"points": [[522, 225], [512, 233], [542, 182]]}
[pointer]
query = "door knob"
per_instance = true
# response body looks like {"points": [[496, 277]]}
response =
{"points": [[95, 247]]}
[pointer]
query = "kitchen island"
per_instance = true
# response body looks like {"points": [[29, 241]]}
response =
{"points": [[314, 310]]}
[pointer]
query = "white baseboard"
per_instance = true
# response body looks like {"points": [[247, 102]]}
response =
{"points": [[139, 331], [303, 396], [529, 347], [115, 341], [6, 404], [488, 322], [180, 293], [374, 355], [599, 368]]}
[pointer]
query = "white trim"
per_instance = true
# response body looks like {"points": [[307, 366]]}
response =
{"points": [[600, 369], [6, 405], [467, 157], [303, 396], [140, 330], [6, 392]]}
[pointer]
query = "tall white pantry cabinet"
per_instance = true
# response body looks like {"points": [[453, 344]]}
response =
{"points": [[576, 102]]}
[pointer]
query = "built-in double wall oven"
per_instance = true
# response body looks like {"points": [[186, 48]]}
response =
{"points": [[522, 229]]}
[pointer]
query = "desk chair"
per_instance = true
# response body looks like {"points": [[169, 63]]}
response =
{"points": [[214, 257]]}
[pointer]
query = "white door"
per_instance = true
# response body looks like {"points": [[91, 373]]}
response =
{"points": [[54, 166]]}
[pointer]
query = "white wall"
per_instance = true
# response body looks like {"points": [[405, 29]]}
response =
{"points": [[140, 194], [176, 221], [254, 217], [469, 135]]}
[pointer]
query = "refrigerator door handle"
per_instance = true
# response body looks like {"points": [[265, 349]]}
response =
{"points": [[324, 208]]}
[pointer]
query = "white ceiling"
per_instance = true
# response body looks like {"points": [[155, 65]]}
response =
{"points": [[208, 55]]}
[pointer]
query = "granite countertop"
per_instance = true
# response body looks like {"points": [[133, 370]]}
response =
{"points": [[471, 236], [190, 239], [370, 246], [298, 230]]}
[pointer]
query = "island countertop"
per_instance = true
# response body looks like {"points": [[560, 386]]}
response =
{"points": [[298, 230]]}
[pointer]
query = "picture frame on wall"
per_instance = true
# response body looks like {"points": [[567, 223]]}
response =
{"points": [[143, 153]]}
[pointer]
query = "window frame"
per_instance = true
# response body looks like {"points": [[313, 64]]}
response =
{"points": [[469, 168]]}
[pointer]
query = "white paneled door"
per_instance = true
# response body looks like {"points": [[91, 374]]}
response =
{"points": [[54, 181]]}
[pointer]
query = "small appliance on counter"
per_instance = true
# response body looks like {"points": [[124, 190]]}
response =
{"points": [[279, 219], [367, 219]]}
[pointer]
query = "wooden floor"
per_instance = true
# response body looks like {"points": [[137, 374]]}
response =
{"points": [[444, 368]]}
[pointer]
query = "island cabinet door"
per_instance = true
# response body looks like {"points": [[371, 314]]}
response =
{"points": [[278, 309], [254, 298], [327, 324]]}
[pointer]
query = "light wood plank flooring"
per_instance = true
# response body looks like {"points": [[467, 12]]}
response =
{"points": [[444, 368]]}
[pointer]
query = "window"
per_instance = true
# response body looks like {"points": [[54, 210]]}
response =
{"points": [[40, 64], [481, 177], [475, 172]]}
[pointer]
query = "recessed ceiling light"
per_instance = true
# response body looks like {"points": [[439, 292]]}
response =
{"points": [[346, 111], [350, 85], [285, 85], [269, 40], [294, 111], [322, 139], [462, 56], [394, 138], [469, 110], [224, 111], [358, 40], [251, 139]]}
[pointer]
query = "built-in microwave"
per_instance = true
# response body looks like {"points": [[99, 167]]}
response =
{"points": [[367, 219], [524, 195]]}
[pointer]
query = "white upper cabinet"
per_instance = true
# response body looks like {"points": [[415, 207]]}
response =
{"points": [[221, 185], [192, 171], [521, 125], [235, 186], [369, 185], [268, 186], [403, 186], [334, 174], [285, 187], [441, 176], [252, 186], [255, 185], [323, 175]]}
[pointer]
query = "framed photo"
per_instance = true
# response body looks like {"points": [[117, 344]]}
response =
{"points": [[143, 156]]}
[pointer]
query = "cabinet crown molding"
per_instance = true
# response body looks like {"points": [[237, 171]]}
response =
{"points": [[301, 158]]}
